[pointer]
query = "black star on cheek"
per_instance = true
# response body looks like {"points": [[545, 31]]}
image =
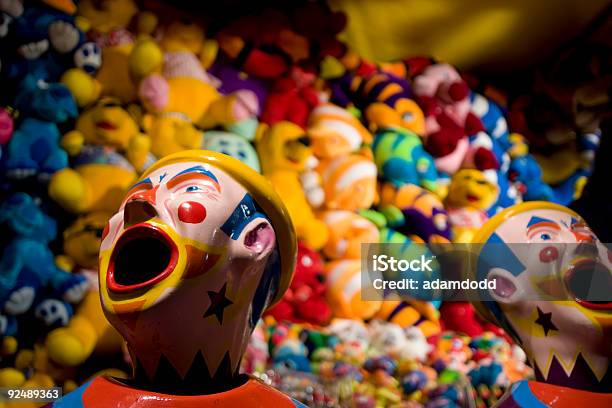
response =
{"points": [[218, 303], [545, 320]]}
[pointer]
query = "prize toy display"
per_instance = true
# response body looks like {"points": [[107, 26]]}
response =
{"points": [[183, 203]]}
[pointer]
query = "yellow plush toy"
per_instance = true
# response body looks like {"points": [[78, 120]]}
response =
{"points": [[171, 133], [181, 33], [284, 153], [101, 174], [470, 194], [179, 93], [114, 78], [108, 124], [33, 369], [184, 88], [84, 88], [88, 331], [107, 22], [104, 16]]}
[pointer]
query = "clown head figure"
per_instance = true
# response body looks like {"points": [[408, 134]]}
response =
{"points": [[553, 291], [199, 248]]}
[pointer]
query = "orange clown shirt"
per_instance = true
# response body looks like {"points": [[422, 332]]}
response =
{"points": [[104, 392]]}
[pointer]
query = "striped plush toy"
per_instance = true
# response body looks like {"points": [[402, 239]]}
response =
{"points": [[385, 100], [401, 159]]}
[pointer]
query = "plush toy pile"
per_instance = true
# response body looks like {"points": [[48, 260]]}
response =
{"points": [[411, 151]]}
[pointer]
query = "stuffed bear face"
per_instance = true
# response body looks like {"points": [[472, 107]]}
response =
{"points": [[471, 188], [285, 147], [107, 123]]}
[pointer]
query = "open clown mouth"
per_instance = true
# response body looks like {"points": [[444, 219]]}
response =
{"points": [[143, 256], [590, 283]]}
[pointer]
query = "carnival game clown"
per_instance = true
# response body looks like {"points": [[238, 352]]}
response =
{"points": [[199, 248], [553, 295]]}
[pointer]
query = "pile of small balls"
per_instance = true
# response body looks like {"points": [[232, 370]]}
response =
{"points": [[350, 363]]}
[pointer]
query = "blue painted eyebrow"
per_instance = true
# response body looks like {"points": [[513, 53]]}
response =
{"points": [[196, 169], [145, 181]]}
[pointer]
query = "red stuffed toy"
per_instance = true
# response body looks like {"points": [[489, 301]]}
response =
{"points": [[462, 317], [291, 98], [444, 97], [305, 301], [321, 25], [264, 45]]}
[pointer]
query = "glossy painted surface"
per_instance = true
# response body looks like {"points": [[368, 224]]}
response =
{"points": [[534, 394], [105, 392], [568, 341], [200, 247]]}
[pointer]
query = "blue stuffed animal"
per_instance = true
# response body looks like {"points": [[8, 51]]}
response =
{"points": [[492, 117], [526, 171], [44, 41], [29, 278], [401, 159], [34, 147], [52, 102], [291, 354], [509, 195], [488, 374]]}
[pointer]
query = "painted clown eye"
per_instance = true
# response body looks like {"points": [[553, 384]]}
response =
{"points": [[544, 235], [191, 189]]}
